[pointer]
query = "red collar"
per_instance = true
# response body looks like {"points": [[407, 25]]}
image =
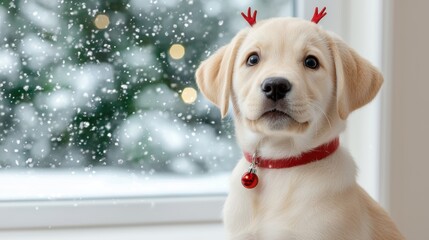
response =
{"points": [[313, 155]]}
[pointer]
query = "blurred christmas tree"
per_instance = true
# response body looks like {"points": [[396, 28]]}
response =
{"points": [[102, 82]]}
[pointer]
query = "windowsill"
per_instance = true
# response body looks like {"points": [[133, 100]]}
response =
{"points": [[104, 183], [206, 231], [60, 198]]}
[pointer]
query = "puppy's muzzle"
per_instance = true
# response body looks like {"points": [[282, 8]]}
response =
{"points": [[276, 88]]}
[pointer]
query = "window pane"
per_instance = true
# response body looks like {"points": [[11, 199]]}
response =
{"points": [[97, 88]]}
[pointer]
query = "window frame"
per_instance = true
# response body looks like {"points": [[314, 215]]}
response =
{"points": [[110, 212]]}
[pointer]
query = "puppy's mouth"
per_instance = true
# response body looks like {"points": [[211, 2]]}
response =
{"points": [[278, 119], [276, 114]]}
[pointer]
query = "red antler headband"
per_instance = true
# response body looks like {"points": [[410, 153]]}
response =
{"points": [[252, 19], [318, 16], [249, 18]]}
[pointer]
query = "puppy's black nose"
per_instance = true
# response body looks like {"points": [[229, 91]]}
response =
{"points": [[276, 88]]}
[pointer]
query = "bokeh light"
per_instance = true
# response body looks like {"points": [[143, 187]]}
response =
{"points": [[101, 21], [177, 51], [189, 95]]}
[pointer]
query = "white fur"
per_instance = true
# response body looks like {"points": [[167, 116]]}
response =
{"points": [[317, 201], [289, 201]]}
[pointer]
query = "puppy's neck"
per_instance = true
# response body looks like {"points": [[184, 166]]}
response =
{"points": [[281, 146]]}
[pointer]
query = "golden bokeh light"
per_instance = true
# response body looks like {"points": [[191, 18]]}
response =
{"points": [[177, 51], [102, 21], [189, 95]]}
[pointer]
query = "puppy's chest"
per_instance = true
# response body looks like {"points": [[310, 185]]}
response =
{"points": [[283, 203], [277, 188], [277, 194], [273, 206]]}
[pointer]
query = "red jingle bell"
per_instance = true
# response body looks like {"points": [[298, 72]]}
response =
{"points": [[249, 180]]}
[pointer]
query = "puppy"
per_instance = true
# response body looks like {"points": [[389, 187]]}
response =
{"points": [[292, 85]]}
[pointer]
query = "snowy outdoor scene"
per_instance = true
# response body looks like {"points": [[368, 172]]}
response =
{"points": [[107, 87]]}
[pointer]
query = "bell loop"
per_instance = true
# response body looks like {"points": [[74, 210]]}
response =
{"points": [[255, 159]]}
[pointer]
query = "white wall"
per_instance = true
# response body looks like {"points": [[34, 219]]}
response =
{"points": [[406, 116]]}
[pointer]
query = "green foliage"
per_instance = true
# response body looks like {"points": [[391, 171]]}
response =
{"points": [[75, 48]]}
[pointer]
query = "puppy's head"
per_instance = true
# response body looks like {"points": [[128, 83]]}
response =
{"points": [[287, 76]]}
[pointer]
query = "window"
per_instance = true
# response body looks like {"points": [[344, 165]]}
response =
{"points": [[105, 89]]}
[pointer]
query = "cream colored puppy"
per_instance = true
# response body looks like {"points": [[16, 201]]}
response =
{"points": [[292, 86]]}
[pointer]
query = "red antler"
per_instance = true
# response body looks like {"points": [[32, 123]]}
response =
{"points": [[249, 18], [318, 16]]}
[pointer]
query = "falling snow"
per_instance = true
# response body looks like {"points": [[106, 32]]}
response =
{"points": [[76, 93]]}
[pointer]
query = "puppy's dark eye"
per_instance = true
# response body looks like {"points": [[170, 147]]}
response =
{"points": [[253, 59], [311, 62]]}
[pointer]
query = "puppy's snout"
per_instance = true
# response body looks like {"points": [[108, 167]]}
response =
{"points": [[276, 88]]}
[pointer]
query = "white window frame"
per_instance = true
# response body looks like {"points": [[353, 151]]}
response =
{"points": [[110, 212], [168, 212]]}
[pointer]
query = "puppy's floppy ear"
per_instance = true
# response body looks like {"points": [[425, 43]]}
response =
{"points": [[357, 80], [214, 75]]}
